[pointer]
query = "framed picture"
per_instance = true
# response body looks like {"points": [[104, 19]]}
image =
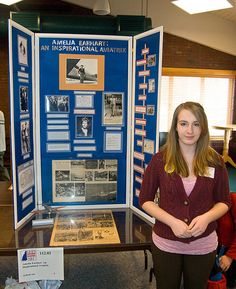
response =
{"points": [[24, 99], [84, 126], [22, 50], [151, 60], [57, 103], [151, 85], [150, 110], [113, 108], [81, 72], [25, 137], [148, 146]]}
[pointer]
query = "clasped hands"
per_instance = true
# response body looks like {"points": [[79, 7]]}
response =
{"points": [[225, 262], [197, 227]]}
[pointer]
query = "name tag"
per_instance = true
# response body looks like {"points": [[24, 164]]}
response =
{"points": [[211, 172]]}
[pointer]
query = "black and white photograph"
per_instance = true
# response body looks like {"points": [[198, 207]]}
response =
{"points": [[22, 50], [150, 110], [78, 170], [65, 237], [112, 176], [62, 175], [102, 217], [91, 164], [151, 60], [77, 164], [79, 189], [65, 190], [151, 85], [25, 137], [101, 164], [89, 176], [101, 176], [57, 103], [100, 192], [24, 99], [85, 235], [113, 108], [111, 164], [84, 126], [82, 70]]}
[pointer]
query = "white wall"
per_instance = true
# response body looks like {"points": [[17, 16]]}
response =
{"points": [[204, 28]]}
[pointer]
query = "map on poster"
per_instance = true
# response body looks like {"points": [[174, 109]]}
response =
{"points": [[84, 228]]}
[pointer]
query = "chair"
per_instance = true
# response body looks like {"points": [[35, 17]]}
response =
{"points": [[162, 138], [232, 148]]}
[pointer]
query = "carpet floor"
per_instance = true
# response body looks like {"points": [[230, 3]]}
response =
{"points": [[116, 270]]}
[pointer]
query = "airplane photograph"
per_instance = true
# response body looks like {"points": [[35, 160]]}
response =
{"points": [[82, 70]]}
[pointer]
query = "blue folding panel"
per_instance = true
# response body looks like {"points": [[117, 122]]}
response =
{"points": [[21, 68], [147, 66]]}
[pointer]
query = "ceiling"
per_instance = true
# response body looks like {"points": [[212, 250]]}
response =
{"points": [[219, 25], [67, 7], [46, 7], [227, 14]]}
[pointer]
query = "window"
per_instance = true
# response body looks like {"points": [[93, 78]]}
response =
{"points": [[214, 93]]}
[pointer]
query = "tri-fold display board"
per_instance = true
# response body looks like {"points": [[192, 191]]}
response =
{"points": [[84, 118]]}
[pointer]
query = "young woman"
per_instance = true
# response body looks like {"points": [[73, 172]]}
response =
{"points": [[193, 193]]}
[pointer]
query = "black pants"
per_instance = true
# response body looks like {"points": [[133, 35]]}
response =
{"points": [[169, 268], [4, 175], [230, 274]]}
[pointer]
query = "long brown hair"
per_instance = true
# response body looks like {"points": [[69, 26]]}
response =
{"points": [[204, 154]]}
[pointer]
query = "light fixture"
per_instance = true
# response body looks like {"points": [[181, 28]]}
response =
{"points": [[101, 7], [9, 2], [199, 6]]}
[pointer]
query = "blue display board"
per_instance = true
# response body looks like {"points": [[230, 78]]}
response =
{"points": [[79, 137], [21, 67], [147, 74], [83, 104]]}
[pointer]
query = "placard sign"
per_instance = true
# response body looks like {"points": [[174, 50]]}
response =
{"points": [[40, 264]]}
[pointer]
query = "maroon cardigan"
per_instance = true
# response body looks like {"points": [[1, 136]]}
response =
{"points": [[174, 200], [227, 229]]}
